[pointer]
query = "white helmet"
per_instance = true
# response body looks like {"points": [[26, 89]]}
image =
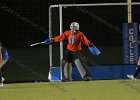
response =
{"points": [[74, 26]]}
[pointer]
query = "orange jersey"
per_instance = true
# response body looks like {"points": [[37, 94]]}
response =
{"points": [[74, 40]]}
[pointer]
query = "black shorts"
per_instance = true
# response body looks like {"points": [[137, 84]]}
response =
{"points": [[70, 55]]}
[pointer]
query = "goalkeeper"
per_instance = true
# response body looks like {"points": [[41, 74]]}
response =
{"points": [[73, 52], [3, 59]]}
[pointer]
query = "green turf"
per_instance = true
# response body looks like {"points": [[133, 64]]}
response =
{"points": [[93, 90]]}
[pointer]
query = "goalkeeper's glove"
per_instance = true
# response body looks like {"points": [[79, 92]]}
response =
{"points": [[93, 49], [49, 41]]}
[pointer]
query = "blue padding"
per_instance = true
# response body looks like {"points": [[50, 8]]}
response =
{"points": [[99, 72], [130, 46], [55, 73]]}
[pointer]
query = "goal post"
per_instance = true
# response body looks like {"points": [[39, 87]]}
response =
{"points": [[61, 6], [129, 11], [130, 38]]}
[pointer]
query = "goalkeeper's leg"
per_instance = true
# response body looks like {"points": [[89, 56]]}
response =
{"points": [[66, 71], [67, 66], [83, 70]]}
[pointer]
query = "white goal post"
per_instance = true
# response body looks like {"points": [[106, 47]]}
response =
{"points": [[60, 6]]}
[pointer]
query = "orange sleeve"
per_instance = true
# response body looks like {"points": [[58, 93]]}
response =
{"points": [[59, 38], [85, 40]]}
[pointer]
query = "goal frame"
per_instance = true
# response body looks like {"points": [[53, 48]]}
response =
{"points": [[60, 6]]}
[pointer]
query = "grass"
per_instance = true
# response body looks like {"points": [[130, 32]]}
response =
{"points": [[80, 90]]}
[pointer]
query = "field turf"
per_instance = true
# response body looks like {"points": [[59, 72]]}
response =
{"points": [[78, 90]]}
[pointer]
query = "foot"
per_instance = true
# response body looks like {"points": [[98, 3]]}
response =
{"points": [[65, 80], [1, 84], [87, 78], [131, 77]]}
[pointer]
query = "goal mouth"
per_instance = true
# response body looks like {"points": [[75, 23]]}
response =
{"points": [[101, 23]]}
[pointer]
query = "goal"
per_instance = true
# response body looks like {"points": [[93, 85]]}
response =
{"points": [[102, 25]]}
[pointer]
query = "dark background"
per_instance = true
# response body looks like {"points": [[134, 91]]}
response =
{"points": [[23, 22], [14, 28]]}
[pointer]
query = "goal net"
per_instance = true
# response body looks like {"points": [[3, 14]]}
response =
{"points": [[100, 23]]}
